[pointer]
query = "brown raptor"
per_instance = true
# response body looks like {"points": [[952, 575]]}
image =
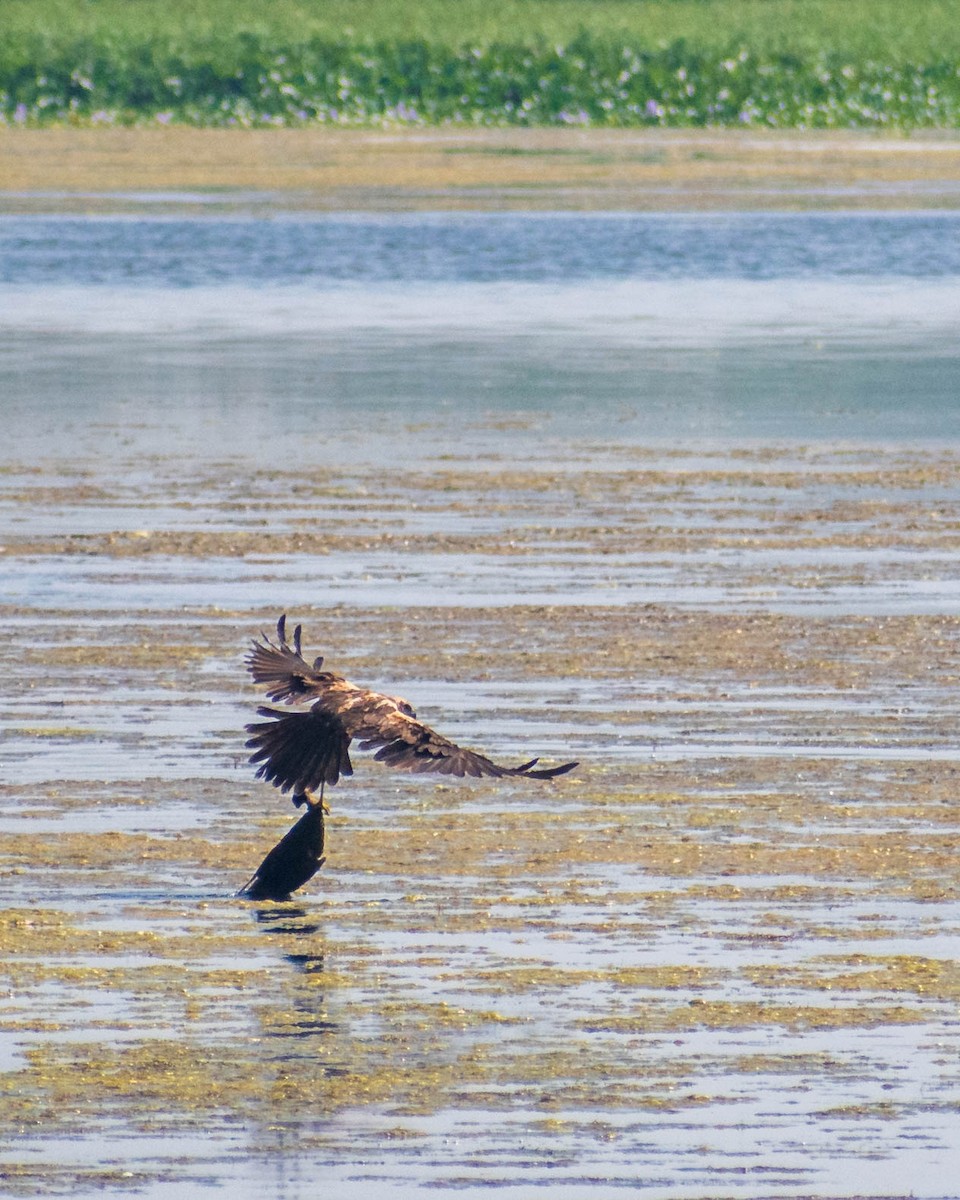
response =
{"points": [[305, 750]]}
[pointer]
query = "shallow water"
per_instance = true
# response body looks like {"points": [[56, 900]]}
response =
{"points": [[322, 251], [698, 532]]}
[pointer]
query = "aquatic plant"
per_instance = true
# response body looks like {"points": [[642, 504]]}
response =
{"points": [[250, 79]]}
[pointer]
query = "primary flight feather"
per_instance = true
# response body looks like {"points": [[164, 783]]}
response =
{"points": [[305, 750]]}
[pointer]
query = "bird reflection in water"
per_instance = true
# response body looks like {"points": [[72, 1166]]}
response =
{"points": [[302, 938]]}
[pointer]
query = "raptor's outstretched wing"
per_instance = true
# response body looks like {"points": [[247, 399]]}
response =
{"points": [[299, 750], [418, 748], [282, 670], [302, 750]]}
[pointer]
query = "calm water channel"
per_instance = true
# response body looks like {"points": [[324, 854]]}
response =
{"points": [[678, 496]]}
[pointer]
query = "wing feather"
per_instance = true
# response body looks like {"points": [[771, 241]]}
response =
{"points": [[299, 750], [282, 670], [406, 744]]}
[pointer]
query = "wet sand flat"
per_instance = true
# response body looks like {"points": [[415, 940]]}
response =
{"points": [[329, 169], [719, 959]]}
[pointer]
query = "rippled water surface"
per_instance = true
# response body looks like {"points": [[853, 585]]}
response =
{"points": [[168, 251], [677, 497]]}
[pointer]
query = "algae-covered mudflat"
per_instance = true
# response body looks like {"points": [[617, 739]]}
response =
{"points": [[720, 959], [678, 497]]}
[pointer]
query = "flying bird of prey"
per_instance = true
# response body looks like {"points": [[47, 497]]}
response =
{"points": [[305, 750]]}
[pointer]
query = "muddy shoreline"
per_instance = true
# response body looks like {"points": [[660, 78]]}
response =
{"points": [[112, 170]]}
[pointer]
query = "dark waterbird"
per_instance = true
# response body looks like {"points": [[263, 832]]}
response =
{"points": [[304, 751], [293, 861]]}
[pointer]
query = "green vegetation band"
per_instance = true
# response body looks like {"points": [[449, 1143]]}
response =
{"points": [[249, 80]]}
